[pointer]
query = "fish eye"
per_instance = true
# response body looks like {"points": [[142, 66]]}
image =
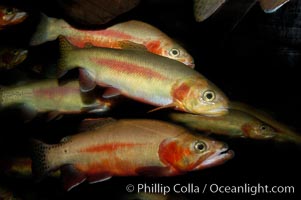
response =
{"points": [[15, 52], [9, 11], [263, 127], [209, 95], [200, 146], [174, 52]]}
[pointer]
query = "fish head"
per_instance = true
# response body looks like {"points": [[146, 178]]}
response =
{"points": [[199, 96], [188, 152], [10, 16], [258, 130], [176, 52], [12, 56]]}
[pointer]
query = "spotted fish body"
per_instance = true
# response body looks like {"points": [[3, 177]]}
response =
{"points": [[145, 77], [131, 34], [48, 96], [127, 147], [234, 124]]}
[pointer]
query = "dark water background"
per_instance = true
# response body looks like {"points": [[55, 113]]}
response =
{"points": [[257, 62]]}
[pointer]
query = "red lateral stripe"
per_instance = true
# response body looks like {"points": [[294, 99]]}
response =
{"points": [[57, 91], [109, 147], [110, 33], [123, 67]]}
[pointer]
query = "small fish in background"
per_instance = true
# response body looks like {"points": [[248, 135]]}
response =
{"points": [[152, 196], [205, 8], [95, 12], [143, 76], [16, 167], [127, 147], [7, 194], [127, 35], [234, 124], [19, 168], [284, 133], [11, 57], [10, 16], [47, 96]]}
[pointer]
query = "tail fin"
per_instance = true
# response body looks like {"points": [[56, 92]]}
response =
{"points": [[65, 47], [47, 30], [40, 165]]}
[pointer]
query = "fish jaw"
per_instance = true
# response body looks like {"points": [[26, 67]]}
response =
{"points": [[187, 152], [218, 158]]}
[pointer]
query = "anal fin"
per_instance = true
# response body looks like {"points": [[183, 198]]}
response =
{"points": [[111, 92], [98, 178], [86, 80], [71, 177]]}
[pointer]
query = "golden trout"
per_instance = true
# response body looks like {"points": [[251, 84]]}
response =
{"points": [[128, 147], [234, 124], [132, 34], [49, 96], [284, 133], [144, 76], [10, 16]]}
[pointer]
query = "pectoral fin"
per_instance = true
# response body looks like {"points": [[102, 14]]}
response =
{"points": [[111, 92], [98, 178], [270, 6], [162, 107], [154, 171]]}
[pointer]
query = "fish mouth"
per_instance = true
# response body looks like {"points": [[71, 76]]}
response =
{"points": [[218, 158], [217, 112], [192, 65]]}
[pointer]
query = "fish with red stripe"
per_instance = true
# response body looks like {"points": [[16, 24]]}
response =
{"points": [[131, 34], [145, 77], [127, 147], [47, 96]]}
